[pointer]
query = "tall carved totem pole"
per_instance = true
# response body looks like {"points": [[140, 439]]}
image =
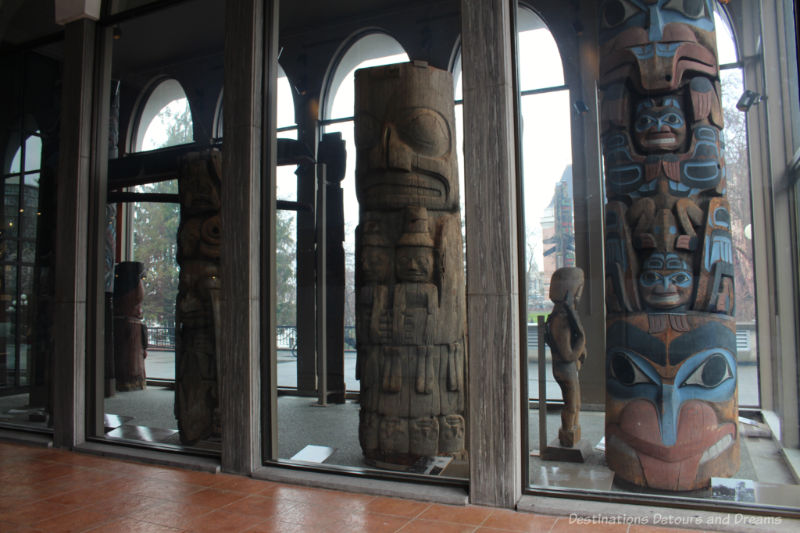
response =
{"points": [[410, 305], [671, 409], [197, 311]]}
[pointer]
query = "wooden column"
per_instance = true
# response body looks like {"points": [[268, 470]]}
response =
{"points": [[492, 252], [71, 258], [248, 183]]}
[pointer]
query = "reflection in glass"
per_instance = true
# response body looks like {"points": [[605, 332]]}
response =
{"points": [[30, 144]]}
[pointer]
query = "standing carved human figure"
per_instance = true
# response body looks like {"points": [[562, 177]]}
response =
{"points": [[565, 336]]}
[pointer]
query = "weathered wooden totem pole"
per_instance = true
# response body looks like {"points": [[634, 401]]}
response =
{"points": [[197, 310], [410, 310], [671, 409], [130, 332]]}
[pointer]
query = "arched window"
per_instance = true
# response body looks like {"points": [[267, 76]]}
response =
{"points": [[20, 193], [371, 50], [165, 119], [737, 167], [546, 158]]}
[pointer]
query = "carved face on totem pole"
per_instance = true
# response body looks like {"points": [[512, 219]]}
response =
{"points": [[406, 146], [672, 410], [194, 304], [659, 126], [654, 43], [666, 282]]}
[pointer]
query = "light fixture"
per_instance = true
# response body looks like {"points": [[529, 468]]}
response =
{"points": [[580, 107], [748, 100]]}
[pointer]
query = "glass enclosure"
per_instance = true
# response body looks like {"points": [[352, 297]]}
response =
{"points": [[584, 468], [30, 144], [163, 251]]}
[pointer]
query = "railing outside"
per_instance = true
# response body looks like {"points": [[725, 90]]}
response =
{"points": [[160, 338], [286, 338]]}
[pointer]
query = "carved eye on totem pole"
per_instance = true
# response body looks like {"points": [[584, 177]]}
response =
{"points": [[404, 136], [662, 386]]}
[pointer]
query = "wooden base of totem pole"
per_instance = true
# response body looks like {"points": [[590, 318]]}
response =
{"points": [[570, 454]]}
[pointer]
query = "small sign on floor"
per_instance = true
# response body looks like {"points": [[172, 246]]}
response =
{"points": [[313, 454]]}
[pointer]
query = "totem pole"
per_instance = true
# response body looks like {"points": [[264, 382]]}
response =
{"points": [[197, 312], [410, 305], [671, 409], [130, 333]]}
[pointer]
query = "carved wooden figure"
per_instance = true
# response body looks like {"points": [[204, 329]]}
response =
{"points": [[130, 333], [671, 409], [567, 341], [197, 306], [410, 316]]}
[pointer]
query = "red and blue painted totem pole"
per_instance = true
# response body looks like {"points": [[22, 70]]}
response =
{"points": [[671, 409]]}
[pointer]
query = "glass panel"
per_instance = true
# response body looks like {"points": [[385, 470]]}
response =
{"points": [[370, 51], [726, 44], [286, 179], [155, 227], [166, 119], [140, 402], [738, 175], [339, 427], [286, 296], [285, 101], [540, 61]]}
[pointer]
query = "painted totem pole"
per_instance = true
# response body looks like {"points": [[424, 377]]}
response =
{"points": [[197, 308], [410, 305], [671, 409]]}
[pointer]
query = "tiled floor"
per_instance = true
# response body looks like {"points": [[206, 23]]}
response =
{"points": [[54, 490]]}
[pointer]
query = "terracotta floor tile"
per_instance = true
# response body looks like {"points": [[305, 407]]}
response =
{"points": [[321, 497], [565, 525], [129, 525], [173, 514], [214, 498], [221, 520], [79, 520], [372, 523], [309, 515], [85, 476], [82, 495], [34, 512], [396, 507], [243, 484], [260, 506], [166, 490], [636, 528], [516, 521], [122, 504], [274, 526], [205, 479], [469, 514], [431, 526]]}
